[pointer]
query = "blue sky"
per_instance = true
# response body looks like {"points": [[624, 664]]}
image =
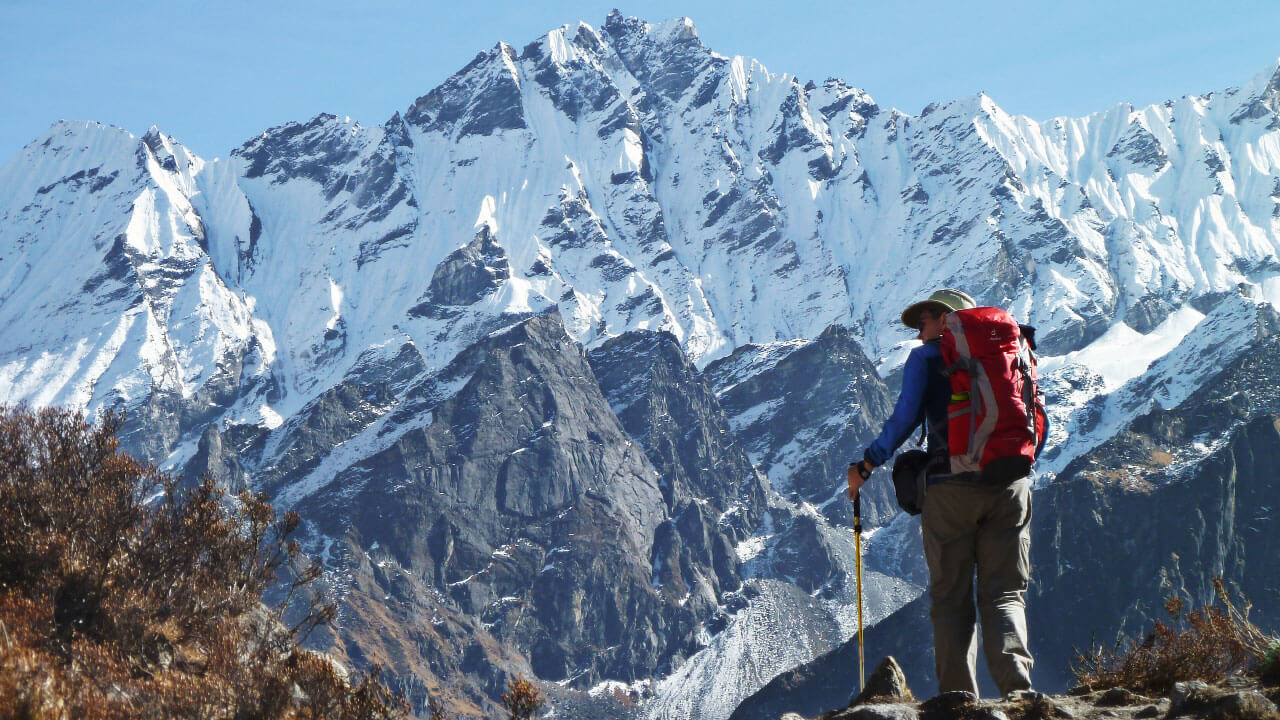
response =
{"points": [[213, 73]]}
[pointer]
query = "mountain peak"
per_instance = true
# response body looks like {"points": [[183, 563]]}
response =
{"points": [[89, 141], [163, 148], [87, 129], [1261, 97], [677, 29], [566, 44], [155, 139], [673, 31], [970, 106], [482, 98], [1268, 79]]}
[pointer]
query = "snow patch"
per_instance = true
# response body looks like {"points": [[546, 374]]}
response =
{"points": [[1122, 353]]}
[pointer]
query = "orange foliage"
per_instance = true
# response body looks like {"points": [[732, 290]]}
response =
{"points": [[125, 595]]}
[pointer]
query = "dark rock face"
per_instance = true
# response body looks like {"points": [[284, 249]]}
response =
{"points": [[214, 458], [1140, 147], [390, 616], [524, 502], [91, 180], [312, 150], [1076, 333], [151, 431], [362, 181], [1265, 105], [1147, 516], [471, 272], [374, 386], [715, 497], [668, 407], [576, 87], [801, 553], [792, 133], [824, 400], [482, 98], [1148, 312], [668, 66]]}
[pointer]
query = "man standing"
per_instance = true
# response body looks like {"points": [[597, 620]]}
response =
{"points": [[966, 523]]}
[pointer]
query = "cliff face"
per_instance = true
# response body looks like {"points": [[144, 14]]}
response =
{"points": [[1111, 553], [668, 407], [804, 410], [1179, 498]]}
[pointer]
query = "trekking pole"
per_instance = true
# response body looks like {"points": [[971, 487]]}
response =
{"points": [[857, 543]]}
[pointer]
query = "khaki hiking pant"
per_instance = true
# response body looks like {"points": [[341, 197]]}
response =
{"points": [[968, 525]]}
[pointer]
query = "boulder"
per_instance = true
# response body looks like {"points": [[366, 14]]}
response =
{"points": [[885, 711], [1122, 697], [1189, 696], [1242, 705], [886, 683], [947, 705]]}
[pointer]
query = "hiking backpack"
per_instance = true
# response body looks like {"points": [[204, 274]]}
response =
{"points": [[996, 421]]}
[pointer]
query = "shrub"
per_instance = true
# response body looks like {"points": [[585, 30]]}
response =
{"points": [[1269, 668], [124, 594], [1206, 644], [522, 698]]}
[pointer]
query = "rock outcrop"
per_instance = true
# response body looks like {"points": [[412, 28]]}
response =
{"points": [[804, 411], [888, 698]]}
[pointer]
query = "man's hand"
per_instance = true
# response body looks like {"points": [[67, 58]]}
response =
{"points": [[858, 474]]}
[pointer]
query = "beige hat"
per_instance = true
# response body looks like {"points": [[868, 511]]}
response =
{"points": [[942, 301]]}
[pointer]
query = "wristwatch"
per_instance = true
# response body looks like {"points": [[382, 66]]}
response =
{"points": [[864, 470]]}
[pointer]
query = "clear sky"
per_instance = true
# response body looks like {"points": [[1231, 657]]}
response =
{"points": [[216, 72]]}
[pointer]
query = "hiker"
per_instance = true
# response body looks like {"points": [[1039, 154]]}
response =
{"points": [[966, 522]]}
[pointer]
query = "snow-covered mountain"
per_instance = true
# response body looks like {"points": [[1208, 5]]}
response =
{"points": [[620, 174], [304, 316]]}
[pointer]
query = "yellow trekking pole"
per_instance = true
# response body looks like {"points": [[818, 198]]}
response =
{"points": [[857, 543]]}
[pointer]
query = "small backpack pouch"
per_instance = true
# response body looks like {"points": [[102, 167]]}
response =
{"points": [[909, 474]]}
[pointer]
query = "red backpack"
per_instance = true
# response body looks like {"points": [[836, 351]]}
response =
{"points": [[996, 421]]}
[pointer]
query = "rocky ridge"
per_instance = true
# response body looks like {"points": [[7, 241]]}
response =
{"points": [[888, 697]]}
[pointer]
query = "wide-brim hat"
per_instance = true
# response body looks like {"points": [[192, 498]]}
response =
{"points": [[943, 301]]}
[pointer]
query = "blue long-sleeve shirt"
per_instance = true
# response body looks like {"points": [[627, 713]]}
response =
{"points": [[925, 394]]}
